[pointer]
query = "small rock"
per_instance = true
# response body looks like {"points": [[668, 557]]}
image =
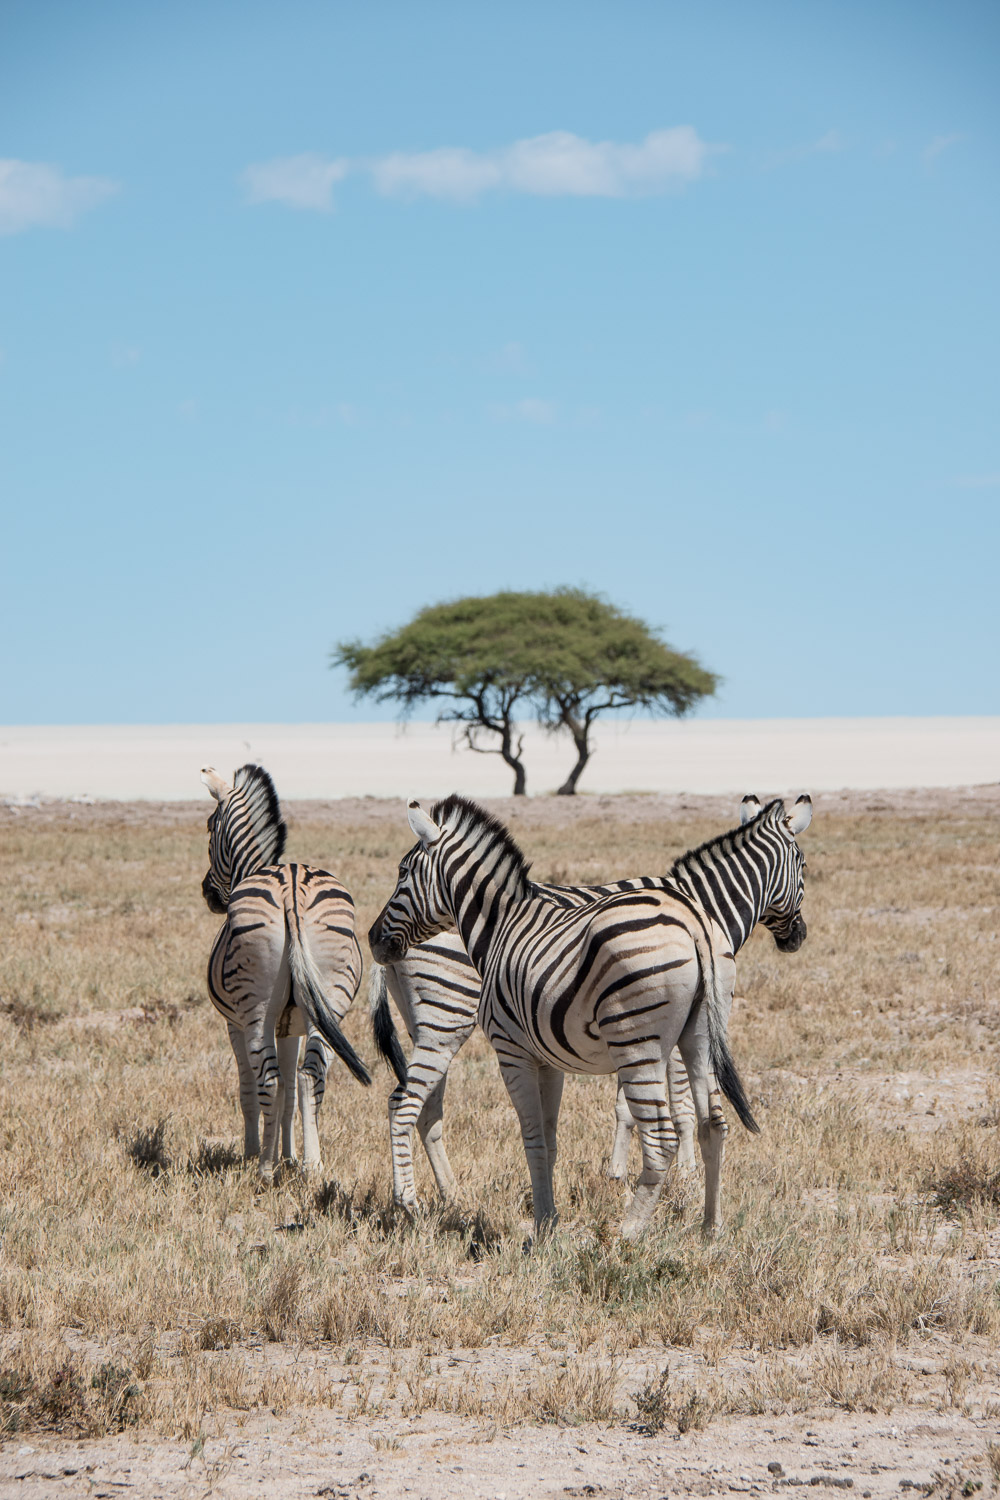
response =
{"points": [[774, 1467]]}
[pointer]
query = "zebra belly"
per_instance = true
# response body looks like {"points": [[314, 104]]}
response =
{"points": [[582, 1047]]}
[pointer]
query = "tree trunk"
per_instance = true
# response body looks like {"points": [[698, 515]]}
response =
{"points": [[513, 759], [580, 733]]}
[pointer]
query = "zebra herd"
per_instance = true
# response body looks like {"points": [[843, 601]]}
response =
{"points": [[633, 978]]}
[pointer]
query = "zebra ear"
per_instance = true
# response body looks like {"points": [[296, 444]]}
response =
{"points": [[425, 828], [216, 784], [800, 816], [749, 808]]}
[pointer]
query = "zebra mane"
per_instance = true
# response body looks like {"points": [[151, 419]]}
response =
{"points": [[462, 815], [728, 842], [249, 831]]}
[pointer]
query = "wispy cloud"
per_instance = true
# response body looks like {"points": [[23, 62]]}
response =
{"points": [[304, 181], [558, 164], [939, 145], [512, 359], [827, 144], [977, 481], [34, 195], [532, 410]]}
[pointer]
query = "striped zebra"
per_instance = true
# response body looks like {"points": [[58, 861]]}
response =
{"points": [[608, 987], [436, 990], [286, 964]]}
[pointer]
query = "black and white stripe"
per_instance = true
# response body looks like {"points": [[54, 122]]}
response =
{"points": [[611, 986], [436, 989], [286, 964]]}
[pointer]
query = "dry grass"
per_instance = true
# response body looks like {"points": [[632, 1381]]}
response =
{"points": [[146, 1279]]}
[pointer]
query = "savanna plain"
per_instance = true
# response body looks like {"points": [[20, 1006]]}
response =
{"points": [[169, 1328]]}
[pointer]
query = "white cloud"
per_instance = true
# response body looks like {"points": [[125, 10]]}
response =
{"points": [[939, 145], [559, 164], [36, 195], [450, 172], [298, 181]]}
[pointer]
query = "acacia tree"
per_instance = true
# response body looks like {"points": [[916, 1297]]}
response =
{"points": [[564, 657], [593, 658], [472, 656]]}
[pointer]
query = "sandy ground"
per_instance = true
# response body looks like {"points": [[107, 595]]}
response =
{"points": [[871, 1456], [526, 813], [161, 762]]}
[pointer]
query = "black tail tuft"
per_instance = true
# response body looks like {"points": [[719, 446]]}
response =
{"points": [[307, 994], [730, 1082], [338, 1041], [383, 1027]]}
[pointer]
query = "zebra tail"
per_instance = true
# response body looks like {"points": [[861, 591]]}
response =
{"points": [[307, 992], [722, 1059], [383, 1026]]}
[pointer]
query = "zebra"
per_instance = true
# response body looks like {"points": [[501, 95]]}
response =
{"points": [[608, 987], [436, 990], [286, 964]]}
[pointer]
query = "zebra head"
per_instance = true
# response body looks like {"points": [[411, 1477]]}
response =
{"points": [[463, 872], [417, 908], [245, 831], [782, 915]]}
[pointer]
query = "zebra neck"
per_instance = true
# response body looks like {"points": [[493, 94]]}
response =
{"points": [[732, 881], [481, 902]]}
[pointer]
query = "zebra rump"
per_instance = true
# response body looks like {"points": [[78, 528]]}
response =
{"points": [[307, 992], [383, 1026]]}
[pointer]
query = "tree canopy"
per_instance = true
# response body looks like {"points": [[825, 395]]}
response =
{"points": [[564, 657]]}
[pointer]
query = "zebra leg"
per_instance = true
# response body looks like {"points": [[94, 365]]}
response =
{"points": [[682, 1110], [712, 1127], [426, 1071], [537, 1106], [624, 1125], [270, 1092], [312, 1087], [248, 1092], [431, 1127], [287, 1048], [550, 1088], [644, 1087]]}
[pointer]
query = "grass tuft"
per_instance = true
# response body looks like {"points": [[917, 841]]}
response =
{"points": [[146, 1149]]}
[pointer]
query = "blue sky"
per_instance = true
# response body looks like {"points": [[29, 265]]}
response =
{"points": [[313, 314]]}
